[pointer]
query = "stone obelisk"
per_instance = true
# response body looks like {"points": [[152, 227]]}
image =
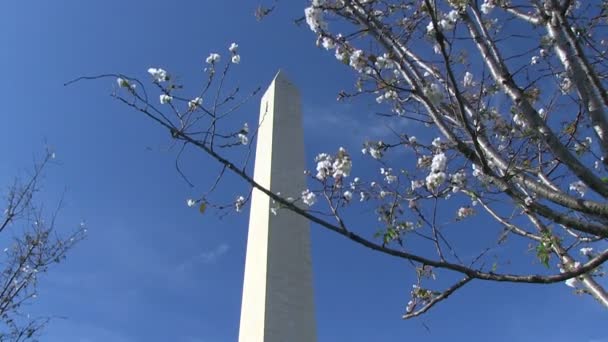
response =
{"points": [[278, 303]]}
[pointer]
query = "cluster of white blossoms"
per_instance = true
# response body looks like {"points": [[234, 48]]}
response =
{"points": [[384, 62], [388, 95], [458, 180], [165, 99], [534, 60], [314, 16], [519, 121], [195, 103], [433, 93], [583, 146], [572, 281], [487, 6], [338, 167], [308, 197], [437, 175], [375, 149], [239, 203], [578, 187], [467, 80], [357, 60], [388, 175], [123, 83], [213, 58], [236, 58], [446, 23], [158, 75], [242, 135]]}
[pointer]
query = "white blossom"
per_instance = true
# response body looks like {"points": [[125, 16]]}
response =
{"points": [[123, 83], [233, 47], [324, 165], [328, 43], [159, 75], [190, 202], [468, 80], [239, 203], [363, 196], [517, 119], [415, 184], [348, 196], [534, 60], [586, 251], [542, 113], [213, 58], [308, 197], [434, 180], [243, 139], [433, 93], [164, 98], [388, 176], [314, 18], [436, 142], [487, 6], [578, 187], [439, 162], [342, 165], [357, 60], [195, 103], [571, 282], [236, 59], [412, 140]]}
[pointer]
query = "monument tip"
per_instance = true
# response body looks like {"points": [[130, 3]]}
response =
{"points": [[280, 75]]}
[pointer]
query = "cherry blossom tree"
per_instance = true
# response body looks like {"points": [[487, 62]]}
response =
{"points": [[509, 102], [32, 245]]}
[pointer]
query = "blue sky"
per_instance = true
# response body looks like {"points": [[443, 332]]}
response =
{"points": [[152, 269]]}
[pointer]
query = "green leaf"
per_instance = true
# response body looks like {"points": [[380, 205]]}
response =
{"points": [[202, 207]]}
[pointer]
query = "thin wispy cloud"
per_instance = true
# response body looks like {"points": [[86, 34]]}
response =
{"points": [[205, 257], [350, 120]]}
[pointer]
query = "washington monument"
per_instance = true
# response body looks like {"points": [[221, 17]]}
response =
{"points": [[278, 303]]}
